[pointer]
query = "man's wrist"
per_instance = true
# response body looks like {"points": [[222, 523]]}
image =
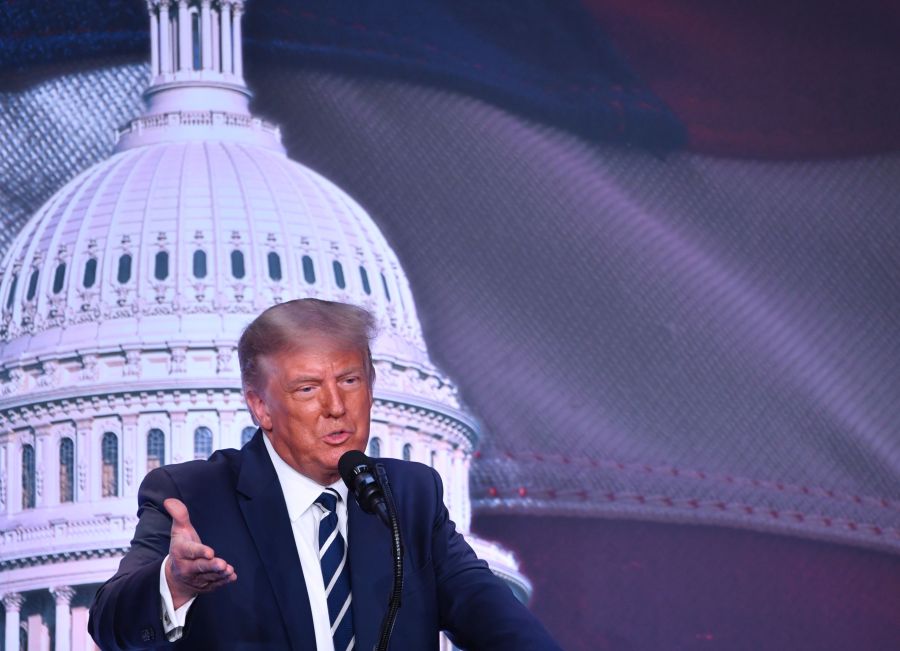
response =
{"points": [[179, 595]]}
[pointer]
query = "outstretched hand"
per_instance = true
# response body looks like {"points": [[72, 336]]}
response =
{"points": [[192, 567]]}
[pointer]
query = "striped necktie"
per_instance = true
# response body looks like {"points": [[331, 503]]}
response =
{"points": [[335, 573]]}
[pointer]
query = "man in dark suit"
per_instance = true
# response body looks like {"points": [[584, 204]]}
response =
{"points": [[233, 552]]}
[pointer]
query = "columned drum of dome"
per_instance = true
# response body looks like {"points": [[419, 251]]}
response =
{"points": [[122, 299]]}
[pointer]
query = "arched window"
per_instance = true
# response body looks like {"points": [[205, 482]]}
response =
{"points": [[199, 263], [156, 449], [247, 434], [124, 273], [32, 285], [28, 483], [375, 447], [202, 443], [309, 271], [109, 449], [407, 452], [12, 291], [90, 273], [339, 274], [237, 264], [59, 278], [387, 292], [365, 280], [274, 265], [433, 458], [66, 470], [161, 265]]}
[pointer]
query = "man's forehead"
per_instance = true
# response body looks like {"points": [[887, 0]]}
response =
{"points": [[316, 350]]}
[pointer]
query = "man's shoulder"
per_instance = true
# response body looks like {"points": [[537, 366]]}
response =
{"points": [[413, 485], [407, 471], [222, 465]]}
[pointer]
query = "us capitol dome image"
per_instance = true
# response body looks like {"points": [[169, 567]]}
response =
{"points": [[121, 302]]}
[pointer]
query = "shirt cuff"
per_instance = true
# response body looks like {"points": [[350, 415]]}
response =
{"points": [[172, 619]]}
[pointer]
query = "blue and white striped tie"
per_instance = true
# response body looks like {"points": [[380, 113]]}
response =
{"points": [[335, 573]]}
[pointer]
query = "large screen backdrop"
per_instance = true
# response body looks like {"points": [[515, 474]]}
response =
{"points": [[672, 300]]}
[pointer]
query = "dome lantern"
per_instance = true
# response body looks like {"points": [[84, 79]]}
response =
{"points": [[197, 88]]}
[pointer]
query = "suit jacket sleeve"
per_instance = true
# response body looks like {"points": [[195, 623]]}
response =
{"points": [[126, 613], [477, 609]]}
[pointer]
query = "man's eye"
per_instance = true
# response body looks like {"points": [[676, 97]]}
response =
{"points": [[305, 389]]}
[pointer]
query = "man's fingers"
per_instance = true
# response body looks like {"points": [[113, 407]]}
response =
{"points": [[217, 583], [203, 576], [212, 565], [189, 550], [188, 571], [179, 513], [207, 578]]}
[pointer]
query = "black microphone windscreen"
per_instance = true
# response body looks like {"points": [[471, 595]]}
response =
{"points": [[349, 462]]}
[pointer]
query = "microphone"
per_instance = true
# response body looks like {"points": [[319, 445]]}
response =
{"points": [[356, 470], [361, 475]]}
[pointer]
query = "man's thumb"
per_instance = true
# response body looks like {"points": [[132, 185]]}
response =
{"points": [[178, 511]]}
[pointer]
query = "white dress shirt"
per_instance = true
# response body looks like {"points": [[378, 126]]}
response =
{"points": [[300, 493]]}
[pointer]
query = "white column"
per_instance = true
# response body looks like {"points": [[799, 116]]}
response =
{"points": [[184, 36], [38, 634], [12, 603], [63, 595], [226, 37], [237, 41], [81, 640], [154, 42], [165, 47], [206, 35], [216, 24]]}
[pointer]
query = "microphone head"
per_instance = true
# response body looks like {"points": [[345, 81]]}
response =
{"points": [[351, 464], [357, 471]]}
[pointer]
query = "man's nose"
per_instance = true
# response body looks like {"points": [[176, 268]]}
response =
{"points": [[333, 401]]}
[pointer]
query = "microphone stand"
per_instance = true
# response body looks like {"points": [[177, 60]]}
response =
{"points": [[387, 624]]}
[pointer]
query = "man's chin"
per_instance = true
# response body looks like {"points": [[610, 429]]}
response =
{"points": [[335, 452]]}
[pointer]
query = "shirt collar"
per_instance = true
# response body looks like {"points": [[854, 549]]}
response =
{"points": [[300, 492]]}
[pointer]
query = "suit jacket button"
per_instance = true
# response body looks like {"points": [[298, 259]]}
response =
{"points": [[148, 635]]}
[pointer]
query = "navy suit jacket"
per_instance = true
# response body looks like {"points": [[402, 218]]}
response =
{"points": [[237, 507]]}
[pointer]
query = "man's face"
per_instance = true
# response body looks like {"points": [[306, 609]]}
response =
{"points": [[314, 403]]}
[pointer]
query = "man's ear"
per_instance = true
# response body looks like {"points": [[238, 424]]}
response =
{"points": [[258, 408]]}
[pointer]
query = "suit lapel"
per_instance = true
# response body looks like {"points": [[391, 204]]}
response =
{"points": [[265, 513], [371, 572]]}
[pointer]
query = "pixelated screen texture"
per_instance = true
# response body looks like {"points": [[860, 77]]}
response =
{"points": [[679, 338]]}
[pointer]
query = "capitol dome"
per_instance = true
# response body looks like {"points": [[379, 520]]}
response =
{"points": [[139, 252], [121, 302]]}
